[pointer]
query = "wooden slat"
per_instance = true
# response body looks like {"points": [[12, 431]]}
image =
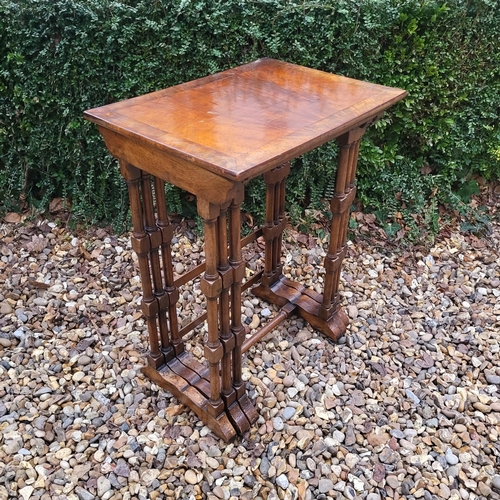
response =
{"points": [[196, 271], [191, 326], [251, 237], [268, 328], [252, 281]]}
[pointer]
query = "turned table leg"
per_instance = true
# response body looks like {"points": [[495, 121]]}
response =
{"points": [[227, 338], [340, 203], [152, 235], [273, 230], [211, 286], [322, 311], [163, 223], [144, 243], [238, 267], [155, 238], [237, 330]]}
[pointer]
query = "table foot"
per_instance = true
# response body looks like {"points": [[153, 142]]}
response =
{"points": [[248, 409], [238, 418], [191, 396], [189, 381], [334, 327], [308, 303]]}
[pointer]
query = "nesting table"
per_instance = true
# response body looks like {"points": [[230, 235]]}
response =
{"points": [[210, 137]]}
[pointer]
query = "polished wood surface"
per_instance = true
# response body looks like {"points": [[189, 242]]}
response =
{"points": [[242, 122], [209, 137]]}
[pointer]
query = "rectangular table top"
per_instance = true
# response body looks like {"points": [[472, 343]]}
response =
{"points": [[241, 122]]}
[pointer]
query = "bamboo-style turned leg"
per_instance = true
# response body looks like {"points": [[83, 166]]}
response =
{"points": [[237, 329], [176, 346], [275, 224], [211, 286], [321, 311], [143, 241], [339, 205], [227, 338], [238, 267], [281, 218], [155, 238]]}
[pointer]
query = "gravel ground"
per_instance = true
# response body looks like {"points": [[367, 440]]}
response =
{"points": [[406, 405]]}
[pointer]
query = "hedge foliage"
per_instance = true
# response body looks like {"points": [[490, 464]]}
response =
{"points": [[60, 57]]}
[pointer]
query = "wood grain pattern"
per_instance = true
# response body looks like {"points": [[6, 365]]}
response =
{"points": [[242, 122]]}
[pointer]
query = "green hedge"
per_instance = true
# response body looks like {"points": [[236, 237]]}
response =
{"points": [[60, 57]]}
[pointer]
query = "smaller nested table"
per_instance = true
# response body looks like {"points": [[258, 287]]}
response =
{"points": [[210, 137]]}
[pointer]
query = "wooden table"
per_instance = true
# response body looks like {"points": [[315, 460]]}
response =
{"points": [[210, 137]]}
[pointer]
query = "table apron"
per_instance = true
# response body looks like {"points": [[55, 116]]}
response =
{"points": [[178, 171]]}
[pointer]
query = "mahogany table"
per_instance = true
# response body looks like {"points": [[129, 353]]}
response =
{"points": [[210, 137]]}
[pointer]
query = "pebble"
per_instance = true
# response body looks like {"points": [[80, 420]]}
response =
{"points": [[451, 458], [444, 491], [352, 311], [495, 482], [484, 489], [338, 437], [19, 334], [84, 360], [5, 308], [407, 486], [63, 453], [282, 481], [325, 485], [410, 393], [266, 312], [149, 476], [351, 460], [393, 482], [219, 492], [83, 494], [21, 316], [388, 456], [278, 424], [413, 397], [255, 322], [122, 469], [492, 378], [26, 492], [103, 486], [191, 477], [5, 342]]}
